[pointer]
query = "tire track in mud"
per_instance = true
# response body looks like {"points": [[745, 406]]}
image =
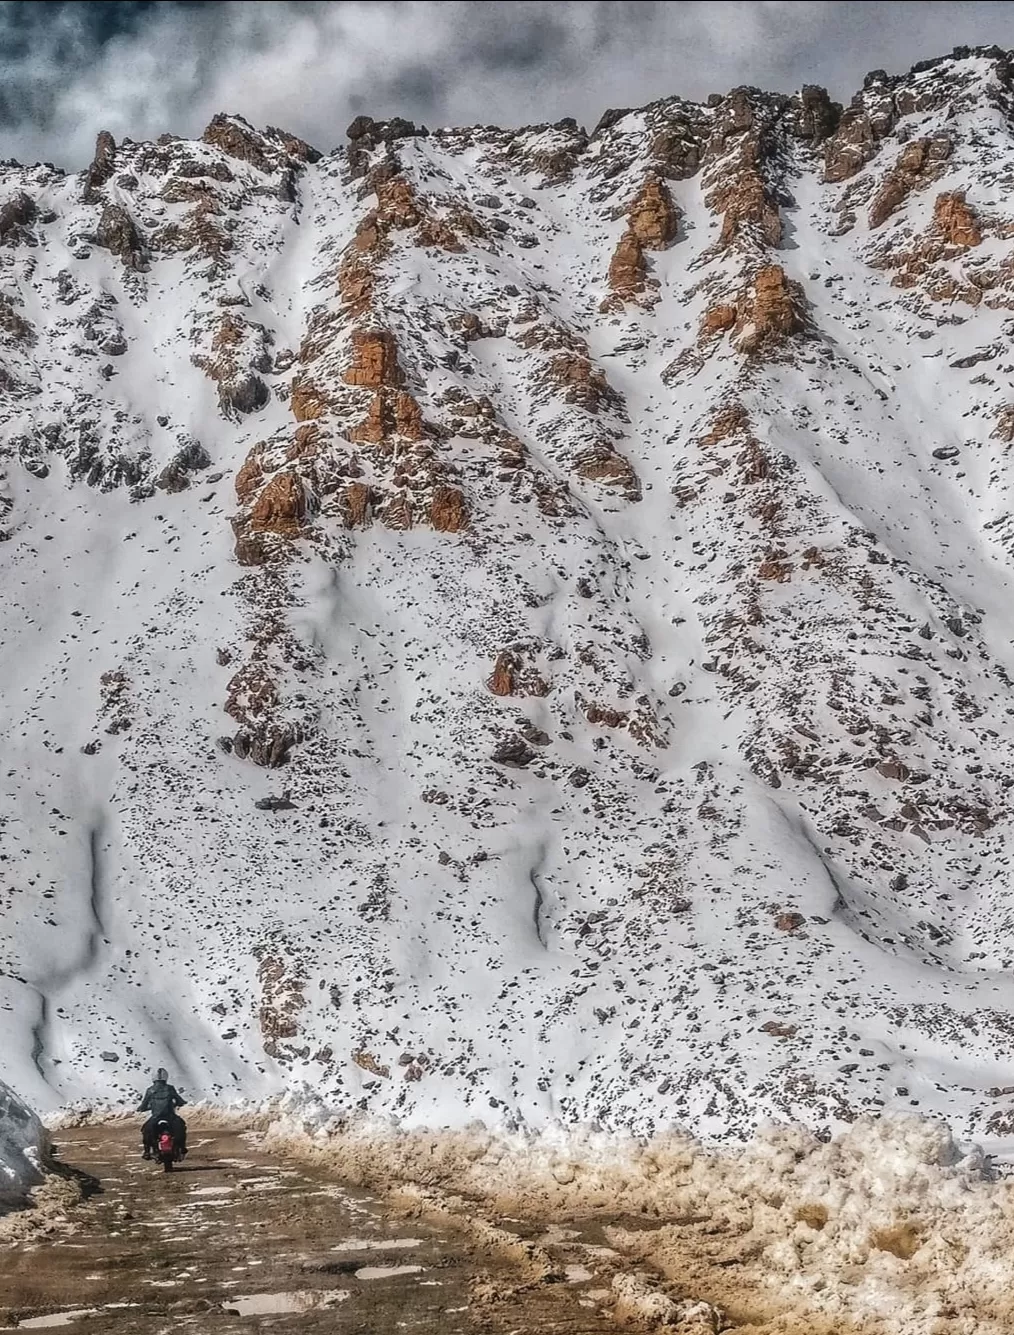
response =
{"points": [[239, 1240]]}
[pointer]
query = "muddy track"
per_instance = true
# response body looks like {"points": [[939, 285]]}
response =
{"points": [[241, 1240]]}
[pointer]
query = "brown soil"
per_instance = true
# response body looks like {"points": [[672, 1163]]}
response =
{"points": [[154, 1252]]}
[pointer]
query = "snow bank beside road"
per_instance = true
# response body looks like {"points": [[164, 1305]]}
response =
{"points": [[892, 1225]]}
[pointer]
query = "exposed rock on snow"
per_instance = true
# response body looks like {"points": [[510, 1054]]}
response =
{"points": [[118, 233], [24, 1146]]}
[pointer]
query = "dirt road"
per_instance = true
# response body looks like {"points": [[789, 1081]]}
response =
{"points": [[239, 1240]]}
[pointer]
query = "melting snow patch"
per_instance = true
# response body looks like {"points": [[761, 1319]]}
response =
{"points": [[577, 1274]]}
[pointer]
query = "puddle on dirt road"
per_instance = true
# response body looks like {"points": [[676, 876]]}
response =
{"points": [[376, 1244], [54, 1319], [274, 1304], [66, 1318], [386, 1271]]}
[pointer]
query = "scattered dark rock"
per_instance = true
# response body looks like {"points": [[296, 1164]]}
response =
{"points": [[114, 344], [790, 921], [246, 395], [536, 736], [514, 752], [893, 769], [192, 457]]}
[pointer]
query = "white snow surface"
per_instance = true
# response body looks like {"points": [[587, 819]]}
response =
{"points": [[604, 933]]}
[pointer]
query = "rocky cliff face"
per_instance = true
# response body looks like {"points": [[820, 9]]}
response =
{"points": [[518, 623]]}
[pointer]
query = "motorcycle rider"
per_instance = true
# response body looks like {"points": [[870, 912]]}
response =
{"points": [[161, 1100]]}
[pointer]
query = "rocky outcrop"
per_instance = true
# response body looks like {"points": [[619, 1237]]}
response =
{"points": [[871, 116], [374, 360], [16, 217], [281, 1002], [513, 752], [580, 383], [118, 234], [1004, 429], [391, 413], [640, 722], [240, 352], [176, 475], [396, 204], [744, 202], [14, 328], [307, 400], [956, 221], [736, 161], [884, 100], [396, 512], [201, 234], [514, 674], [280, 507], [267, 151], [101, 167], [628, 272], [926, 261], [772, 311], [818, 117], [357, 281], [653, 217], [355, 503], [718, 319], [917, 164], [652, 224], [366, 135], [448, 512], [275, 505], [603, 464]]}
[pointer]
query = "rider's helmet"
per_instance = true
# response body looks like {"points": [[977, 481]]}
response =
{"points": [[162, 1074]]}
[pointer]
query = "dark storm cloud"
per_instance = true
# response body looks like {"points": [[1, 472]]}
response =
{"points": [[69, 69]]}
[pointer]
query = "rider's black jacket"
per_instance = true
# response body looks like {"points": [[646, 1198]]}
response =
{"points": [[162, 1100]]}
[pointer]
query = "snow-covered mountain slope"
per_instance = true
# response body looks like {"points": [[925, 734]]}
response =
{"points": [[518, 623]]}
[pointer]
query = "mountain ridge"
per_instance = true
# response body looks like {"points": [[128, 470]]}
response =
{"points": [[513, 623]]}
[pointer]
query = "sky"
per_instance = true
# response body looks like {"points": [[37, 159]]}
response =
{"points": [[138, 69]]}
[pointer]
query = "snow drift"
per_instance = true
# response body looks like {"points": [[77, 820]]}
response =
{"points": [[891, 1225]]}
